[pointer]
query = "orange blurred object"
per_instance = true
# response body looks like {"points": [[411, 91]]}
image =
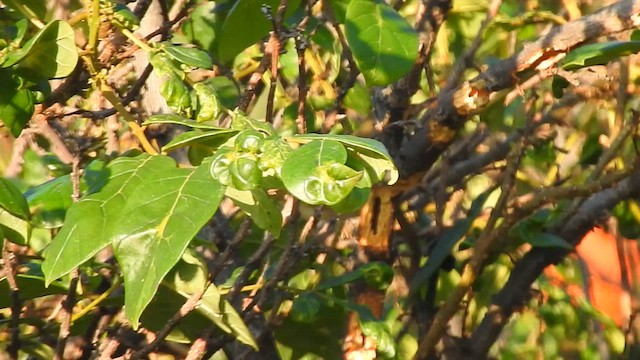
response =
{"points": [[606, 291]]}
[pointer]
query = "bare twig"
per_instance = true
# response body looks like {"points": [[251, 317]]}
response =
{"points": [[69, 300], [16, 306], [484, 247]]}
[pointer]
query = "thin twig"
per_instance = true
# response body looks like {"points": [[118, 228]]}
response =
{"points": [[16, 307], [69, 300], [484, 246]]}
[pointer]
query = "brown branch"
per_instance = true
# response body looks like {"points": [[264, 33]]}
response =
{"points": [[428, 24], [453, 107], [8, 259], [515, 292], [69, 301], [486, 243]]}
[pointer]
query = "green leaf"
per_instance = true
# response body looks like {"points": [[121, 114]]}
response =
{"points": [[14, 229], [50, 201], [190, 276], [12, 200], [309, 172], [16, 104], [305, 308], [51, 53], [31, 287], [245, 25], [558, 84], [156, 224], [209, 107], [90, 223], [243, 122], [378, 331], [383, 44], [188, 56], [211, 139], [187, 277], [376, 273], [370, 151], [628, 215], [275, 152], [446, 241], [263, 210], [598, 54], [180, 120]]}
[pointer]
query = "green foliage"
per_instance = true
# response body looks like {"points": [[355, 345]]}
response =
{"points": [[240, 215]]}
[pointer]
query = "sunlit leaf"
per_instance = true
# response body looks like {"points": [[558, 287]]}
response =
{"points": [[157, 223], [598, 54], [188, 56], [211, 138], [262, 209], [51, 53], [383, 43]]}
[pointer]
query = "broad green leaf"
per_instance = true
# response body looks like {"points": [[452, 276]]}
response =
{"points": [[157, 222], [446, 241], [90, 223], [51, 53], [262, 209], [598, 54], [370, 151], [189, 276], [12, 200], [383, 44], [14, 229], [245, 25], [31, 287], [206, 138], [214, 306], [180, 120], [16, 104], [188, 56], [300, 171]]}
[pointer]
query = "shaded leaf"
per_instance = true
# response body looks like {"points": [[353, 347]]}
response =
{"points": [[446, 241], [12, 200], [31, 287]]}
